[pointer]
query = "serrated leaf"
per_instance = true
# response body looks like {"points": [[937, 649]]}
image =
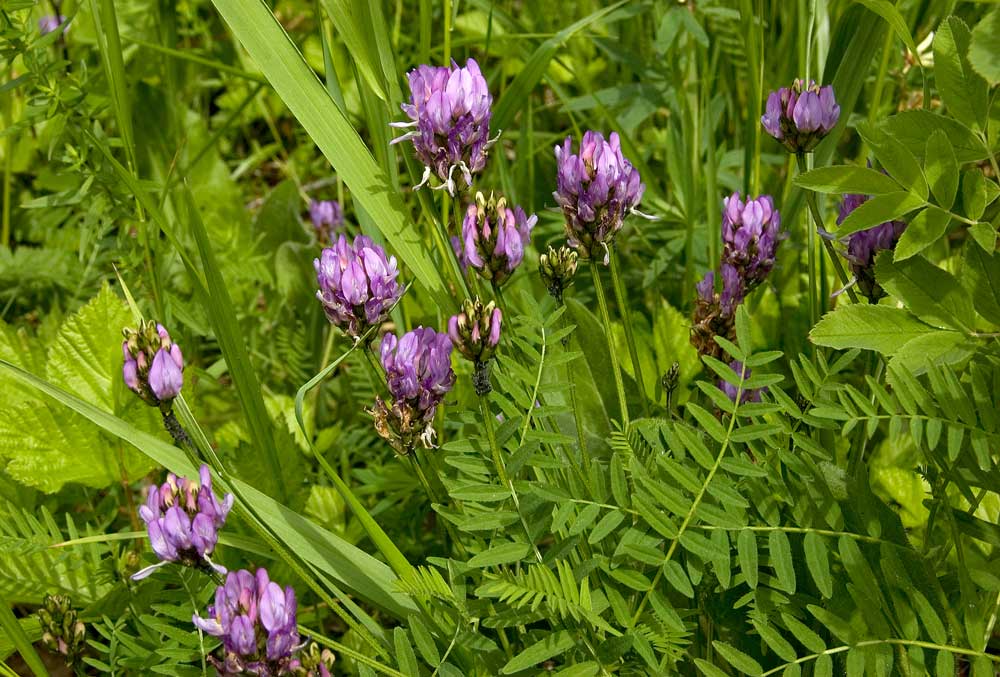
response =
{"points": [[912, 128], [984, 50], [880, 328], [941, 168], [931, 293], [840, 179], [896, 158], [880, 209], [963, 90], [982, 278], [921, 232]]}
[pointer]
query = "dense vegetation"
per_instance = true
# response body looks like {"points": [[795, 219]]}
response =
{"points": [[478, 338]]}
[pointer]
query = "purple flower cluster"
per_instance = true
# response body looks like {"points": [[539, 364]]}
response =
{"points": [[419, 375], [863, 245], [256, 620], [450, 109], [596, 189], [494, 237], [751, 232], [183, 518], [152, 364], [327, 218], [748, 395], [800, 116], [357, 284]]}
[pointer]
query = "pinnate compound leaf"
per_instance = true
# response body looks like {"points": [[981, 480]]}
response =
{"points": [[880, 328]]}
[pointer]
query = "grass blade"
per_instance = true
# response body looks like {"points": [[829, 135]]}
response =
{"points": [[15, 632]]}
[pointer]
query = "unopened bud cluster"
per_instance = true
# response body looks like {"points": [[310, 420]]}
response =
{"points": [[494, 236], [62, 631], [558, 268], [475, 333], [801, 115]]}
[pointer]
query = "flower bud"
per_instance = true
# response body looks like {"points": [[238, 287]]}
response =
{"points": [[494, 237], [596, 189], [557, 268], [475, 332], [62, 631], [328, 220], [715, 313], [800, 116], [751, 232], [152, 364]]}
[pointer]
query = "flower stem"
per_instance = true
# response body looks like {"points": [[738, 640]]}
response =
{"points": [[606, 318], [498, 462], [818, 219], [623, 310]]}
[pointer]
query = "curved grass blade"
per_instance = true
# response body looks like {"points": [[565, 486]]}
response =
{"points": [[15, 632]]}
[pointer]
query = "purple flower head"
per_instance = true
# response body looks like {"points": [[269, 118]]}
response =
{"points": [[49, 23], [494, 237], [800, 116], [327, 218], [152, 364], [449, 112], [862, 246], [419, 375], [357, 284], [257, 622], [751, 232], [596, 189], [183, 518], [751, 395]]}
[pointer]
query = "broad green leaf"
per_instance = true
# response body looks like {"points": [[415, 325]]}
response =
{"points": [[901, 163], [534, 69], [879, 209], [677, 577], [307, 98], [923, 230], [941, 168], [981, 275], [984, 51], [939, 347], [880, 328], [974, 197], [933, 294], [842, 179], [913, 127], [985, 235], [963, 90], [739, 660], [552, 645]]}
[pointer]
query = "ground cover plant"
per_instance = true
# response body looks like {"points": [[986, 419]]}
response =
{"points": [[462, 337]]}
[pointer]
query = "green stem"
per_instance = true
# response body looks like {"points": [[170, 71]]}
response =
{"points": [[602, 302], [447, 32], [818, 219], [623, 310], [501, 467]]}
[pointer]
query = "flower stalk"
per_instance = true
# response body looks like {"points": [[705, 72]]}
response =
{"points": [[602, 302], [619, 286]]}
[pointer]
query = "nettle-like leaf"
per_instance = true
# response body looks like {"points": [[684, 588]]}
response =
{"points": [[44, 445]]}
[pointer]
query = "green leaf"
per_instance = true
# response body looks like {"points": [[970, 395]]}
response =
{"points": [[984, 51], [780, 551], [895, 157], [912, 128], [985, 235], [534, 69], [424, 640], [842, 179], [922, 231], [933, 294], [981, 275], [675, 575], [552, 645], [888, 11], [880, 328], [941, 168], [739, 660], [963, 91], [818, 562], [405, 657], [505, 553], [879, 209], [276, 55], [939, 347], [974, 196], [605, 526], [746, 549]]}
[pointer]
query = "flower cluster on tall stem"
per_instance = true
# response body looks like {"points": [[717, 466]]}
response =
{"points": [[153, 365], [861, 247], [450, 111], [256, 620], [596, 189], [801, 115], [357, 284], [418, 375], [494, 236], [183, 518], [327, 219]]}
